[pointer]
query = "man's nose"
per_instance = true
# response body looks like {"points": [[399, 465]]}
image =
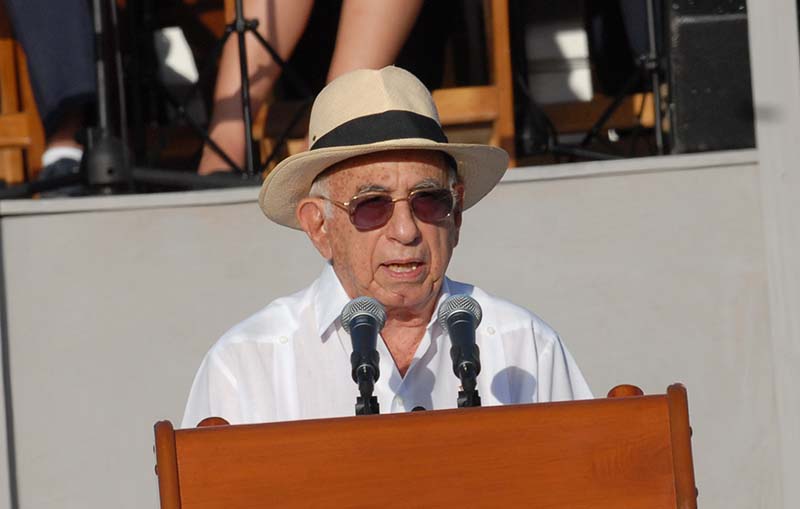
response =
{"points": [[403, 225]]}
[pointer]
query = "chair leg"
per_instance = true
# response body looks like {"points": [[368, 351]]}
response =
{"points": [[503, 131], [34, 152]]}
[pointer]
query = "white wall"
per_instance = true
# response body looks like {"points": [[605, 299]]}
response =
{"points": [[110, 314], [651, 278], [653, 271]]}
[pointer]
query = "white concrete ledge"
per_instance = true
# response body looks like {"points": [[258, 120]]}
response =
{"points": [[686, 162], [127, 202], [683, 162]]}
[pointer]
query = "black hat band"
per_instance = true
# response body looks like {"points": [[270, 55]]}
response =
{"points": [[389, 125]]}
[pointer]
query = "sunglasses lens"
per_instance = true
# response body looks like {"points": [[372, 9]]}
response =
{"points": [[371, 212], [432, 206]]}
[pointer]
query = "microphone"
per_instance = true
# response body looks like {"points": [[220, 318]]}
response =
{"points": [[460, 315], [363, 318]]}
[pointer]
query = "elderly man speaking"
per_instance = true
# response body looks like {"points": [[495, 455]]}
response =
{"points": [[380, 194]]}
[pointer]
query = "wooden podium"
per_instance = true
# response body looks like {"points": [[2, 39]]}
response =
{"points": [[622, 452]]}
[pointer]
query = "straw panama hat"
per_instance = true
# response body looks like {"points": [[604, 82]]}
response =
{"points": [[368, 111]]}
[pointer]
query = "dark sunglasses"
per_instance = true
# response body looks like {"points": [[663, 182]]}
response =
{"points": [[373, 210]]}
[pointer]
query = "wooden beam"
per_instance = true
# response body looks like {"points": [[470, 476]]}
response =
{"points": [[466, 105], [578, 117]]}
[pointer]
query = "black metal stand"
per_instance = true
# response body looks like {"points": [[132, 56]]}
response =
{"points": [[368, 406], [241, 26], [366, 403], [650, 64], [468, 395]]}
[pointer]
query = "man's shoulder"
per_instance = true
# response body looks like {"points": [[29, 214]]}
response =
{"points": [[280, 318], [504, 314]]}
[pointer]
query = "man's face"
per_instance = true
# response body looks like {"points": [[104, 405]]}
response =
{"points": [[402, 263]]}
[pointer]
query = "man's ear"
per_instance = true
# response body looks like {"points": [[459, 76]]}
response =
{"points": [[310, 214]]}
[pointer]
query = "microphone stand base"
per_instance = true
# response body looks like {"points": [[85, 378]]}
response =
{"points": [[367, 406], [469, 398]]}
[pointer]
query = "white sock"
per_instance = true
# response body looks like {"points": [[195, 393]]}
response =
{"points": [[53, 154]]}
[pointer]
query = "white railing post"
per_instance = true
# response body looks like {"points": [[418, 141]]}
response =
{"points": [[775, 61]]}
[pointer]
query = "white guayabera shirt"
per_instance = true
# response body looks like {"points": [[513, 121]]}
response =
{"points": [[291, 360]]}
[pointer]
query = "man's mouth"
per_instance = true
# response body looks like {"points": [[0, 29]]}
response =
{"points": [[401, 268]]}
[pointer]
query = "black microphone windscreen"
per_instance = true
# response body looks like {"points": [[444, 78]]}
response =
{"points": [[363, 306], [459, 303]]}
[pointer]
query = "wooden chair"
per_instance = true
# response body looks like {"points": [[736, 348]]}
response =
{"points": [[21, 132], [632, 451], [494, 103], [491, 105]]}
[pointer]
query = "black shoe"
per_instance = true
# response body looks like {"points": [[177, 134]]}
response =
{"points": [[62, 168]]}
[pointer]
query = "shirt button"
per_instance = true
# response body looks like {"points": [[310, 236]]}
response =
{"points": [[399, 401], [490, 330], [283, 340]]}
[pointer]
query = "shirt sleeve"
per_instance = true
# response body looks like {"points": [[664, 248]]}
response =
{"points": [[214, 393], [560, 379]]}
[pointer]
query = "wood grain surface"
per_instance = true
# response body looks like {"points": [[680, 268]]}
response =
{"points": [[585, 454]]}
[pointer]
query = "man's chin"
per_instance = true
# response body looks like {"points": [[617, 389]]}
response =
{"points": [[415, 298]]}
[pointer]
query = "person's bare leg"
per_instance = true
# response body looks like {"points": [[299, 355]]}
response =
{"points": [[371, 33], [281, 22]]}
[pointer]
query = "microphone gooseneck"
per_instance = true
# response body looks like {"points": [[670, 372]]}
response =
{"points": [[363, 318], [460, 315]]}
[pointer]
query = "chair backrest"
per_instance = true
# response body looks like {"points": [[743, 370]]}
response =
{"points": [[631, 452], [20, 128], [493, 103]]}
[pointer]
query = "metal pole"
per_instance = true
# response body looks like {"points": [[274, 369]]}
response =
{"points": [[102, 95], [241, 28], [654, 66], [123, 111]]}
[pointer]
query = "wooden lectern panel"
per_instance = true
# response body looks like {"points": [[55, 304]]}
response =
{"points": [[630, 452]]}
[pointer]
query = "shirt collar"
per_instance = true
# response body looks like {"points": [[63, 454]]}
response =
{"points": [[330, 299], [444, 294]]}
